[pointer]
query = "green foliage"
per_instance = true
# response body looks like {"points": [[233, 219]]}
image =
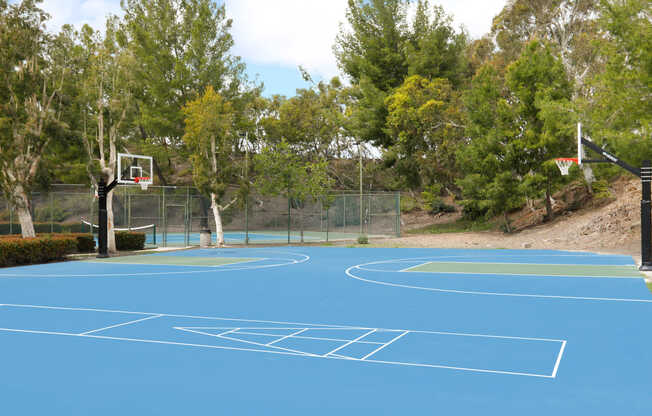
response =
{"points": [[383, 48], [409, 203], [281, 171], [363, 239], [460, 226], [620, 112], [211, 142], [432, 201], [601, 189], [17, 251], [424, 121], [129, 241]]}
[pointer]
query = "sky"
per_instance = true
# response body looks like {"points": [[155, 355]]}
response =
{"points": [[275, 37]]}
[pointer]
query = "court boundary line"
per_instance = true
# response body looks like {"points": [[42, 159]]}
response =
{"points": [[283, 351], [385, 345], [208, 269], [349, 273]]}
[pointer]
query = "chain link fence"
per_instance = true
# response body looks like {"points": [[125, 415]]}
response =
{"points": [[175, 216]]}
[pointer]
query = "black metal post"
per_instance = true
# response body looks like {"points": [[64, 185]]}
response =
{"points": [[102, 193], [646, 217]]}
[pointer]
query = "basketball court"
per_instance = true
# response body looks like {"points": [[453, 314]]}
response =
{"points": [[317, 330]]}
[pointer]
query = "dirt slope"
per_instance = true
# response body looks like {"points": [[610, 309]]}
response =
{"points": [[611, 228]]}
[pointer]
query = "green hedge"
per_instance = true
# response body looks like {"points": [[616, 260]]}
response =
{"points": [[17, 251], [85, 243], [129, 241]]}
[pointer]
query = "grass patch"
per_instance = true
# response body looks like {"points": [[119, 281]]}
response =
{"points": [[458, 226], [649, 285]]}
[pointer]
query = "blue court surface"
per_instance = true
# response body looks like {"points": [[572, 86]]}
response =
{"points": [[324, 331]]}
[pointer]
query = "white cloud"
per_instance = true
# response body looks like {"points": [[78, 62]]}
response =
{"points": [[80, 12], [288, 32], [302, 32]]}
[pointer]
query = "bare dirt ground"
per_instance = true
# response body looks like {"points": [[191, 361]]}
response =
{"points": [[613, 227]]}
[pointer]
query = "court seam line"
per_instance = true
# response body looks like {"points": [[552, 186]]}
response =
{"points": [[561, 353], [286, 336], [122, 324], [350, 342], [384, 345], [332, 357], [224, 333], [467, 292], [311, 325]]}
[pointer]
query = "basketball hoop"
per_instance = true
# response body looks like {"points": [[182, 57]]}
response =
{"points": [[143, 181], [564, 164]]}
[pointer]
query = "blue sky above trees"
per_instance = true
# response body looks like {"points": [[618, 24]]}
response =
{"points": [[274, 37]]}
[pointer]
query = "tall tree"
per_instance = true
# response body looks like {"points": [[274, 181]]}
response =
{"points": [[425, 122], [181, 47], [213, 145], [620, 111], [107, 106], [31, 75], [540, 95], [383, 47]]}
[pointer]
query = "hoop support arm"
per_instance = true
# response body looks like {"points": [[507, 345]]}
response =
{"points": [[608, 158]]}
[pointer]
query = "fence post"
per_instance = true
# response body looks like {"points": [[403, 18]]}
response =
{"points": [[289, 216], [11, 219], [327, 222], [246, 206], [344, 210], [398, 214], [51, 203], [165, 220]]}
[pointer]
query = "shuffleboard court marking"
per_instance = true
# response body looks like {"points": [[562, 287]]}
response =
{"points": [[561, 353], [302, 259], [272, 349], [119, 325], [349, 272], [385, 345]]}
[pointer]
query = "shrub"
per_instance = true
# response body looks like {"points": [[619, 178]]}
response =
{"points": [[16, 251], [129, 241], [85, 243], [363, 239]]}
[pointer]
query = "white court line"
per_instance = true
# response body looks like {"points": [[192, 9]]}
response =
{"points": [[226, 332], [469, 292], [350, 342], [122, 324], [332, 356], [283, 350], [561, 352], [287, 336], [384, 345], [302, 324], [246, 342], [313, 338], [409, 270], [304, 259]]}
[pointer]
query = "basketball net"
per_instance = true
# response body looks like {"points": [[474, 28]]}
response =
{"points": [[564, 164], [143, 181]]}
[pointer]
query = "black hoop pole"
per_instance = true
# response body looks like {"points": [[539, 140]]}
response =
{"points": [[103, 233], [646, 217]]}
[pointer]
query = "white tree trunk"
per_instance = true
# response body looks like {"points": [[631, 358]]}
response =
{"points": [[24, 216], [219, 231]]}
